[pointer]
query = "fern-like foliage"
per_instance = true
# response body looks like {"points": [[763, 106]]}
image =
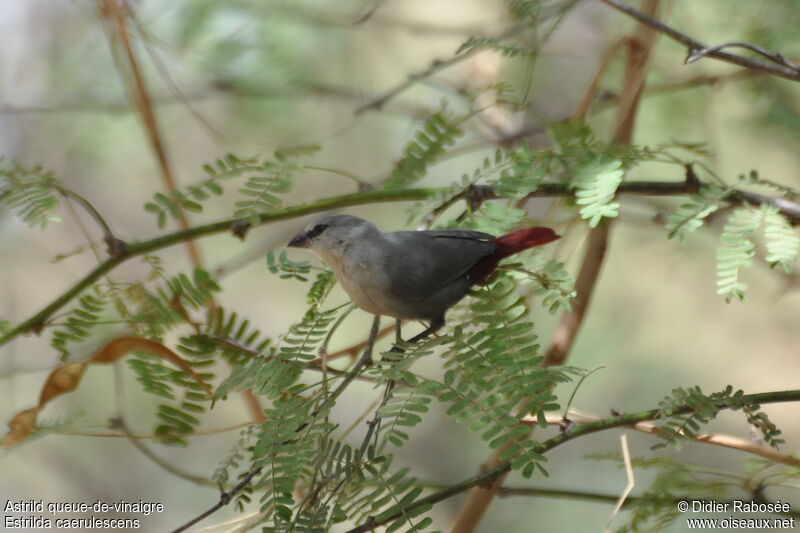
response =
{"points": [[29, 193], [235, 458], [596, 181], [525, 173], [691, 214], [552, 284], [79, 322], [429, 143], [286, 449], [788, 192], [320, 288], [159, 310], [387, 490], [286, 268], [736, 250], [262, 190], [267, 178], [782, 241], [677, 425], [494, 378], [412, 394], [500, 162], [235, 337], [179, 417], [494, 218], [525, 10], [190, 197], [155, 312], [280, 367], [505, 48]]}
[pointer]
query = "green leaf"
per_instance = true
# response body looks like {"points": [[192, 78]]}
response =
{"points": [[781, 239], [430, 142], [29, 193], [691, 214], [736, 250], [596, 181]]}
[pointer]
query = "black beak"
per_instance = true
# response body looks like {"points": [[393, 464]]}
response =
{"points": [[300, 241]]}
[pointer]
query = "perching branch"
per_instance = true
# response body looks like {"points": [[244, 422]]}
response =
{"points": [[776, 65], [488, 476], [790, 209]]}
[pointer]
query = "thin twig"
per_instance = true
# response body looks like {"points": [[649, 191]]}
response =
{"points": [[224, 499], [776, 57], [777, 65], [145, 108], [441, 64], [166, 465], [115, 246], [436, 66]]}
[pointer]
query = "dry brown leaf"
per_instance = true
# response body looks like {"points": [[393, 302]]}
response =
{"points": [[66, 378]]}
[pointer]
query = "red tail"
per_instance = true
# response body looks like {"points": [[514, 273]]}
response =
{"points": [[507, 245]]}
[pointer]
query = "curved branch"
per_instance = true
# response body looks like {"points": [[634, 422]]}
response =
{"points": [[777, 65], [776, 57], [577, 431]]}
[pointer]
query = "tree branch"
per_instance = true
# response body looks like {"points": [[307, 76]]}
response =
{"points": [[777, 65], [790, 209], [581, 430]]}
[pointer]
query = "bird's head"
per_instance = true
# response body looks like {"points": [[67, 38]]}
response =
{"points": [[330, 236]]}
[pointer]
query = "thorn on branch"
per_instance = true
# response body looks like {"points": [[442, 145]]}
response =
{"points": [[117, 248], [477, 194], [692, 181], [696, 53], [240, 228]]}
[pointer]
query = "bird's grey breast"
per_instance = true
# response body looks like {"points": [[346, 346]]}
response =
{"points": [[362, 272]]}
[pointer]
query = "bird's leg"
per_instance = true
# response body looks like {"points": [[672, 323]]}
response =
{"points": [[397, 332], [433, 328], [435, 325]]}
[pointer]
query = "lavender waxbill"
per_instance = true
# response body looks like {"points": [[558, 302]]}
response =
{"points": [[411, 274]]}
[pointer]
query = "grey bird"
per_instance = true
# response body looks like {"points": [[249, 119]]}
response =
{"points": [[411, 274]]}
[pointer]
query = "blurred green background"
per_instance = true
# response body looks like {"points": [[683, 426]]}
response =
{"points": [[251, 76]]}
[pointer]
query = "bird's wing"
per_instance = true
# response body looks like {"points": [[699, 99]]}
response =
{"points": [[454, 234], [420, 263]]}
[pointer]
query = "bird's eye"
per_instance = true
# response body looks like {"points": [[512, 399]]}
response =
{"points": [[316, 230]]}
